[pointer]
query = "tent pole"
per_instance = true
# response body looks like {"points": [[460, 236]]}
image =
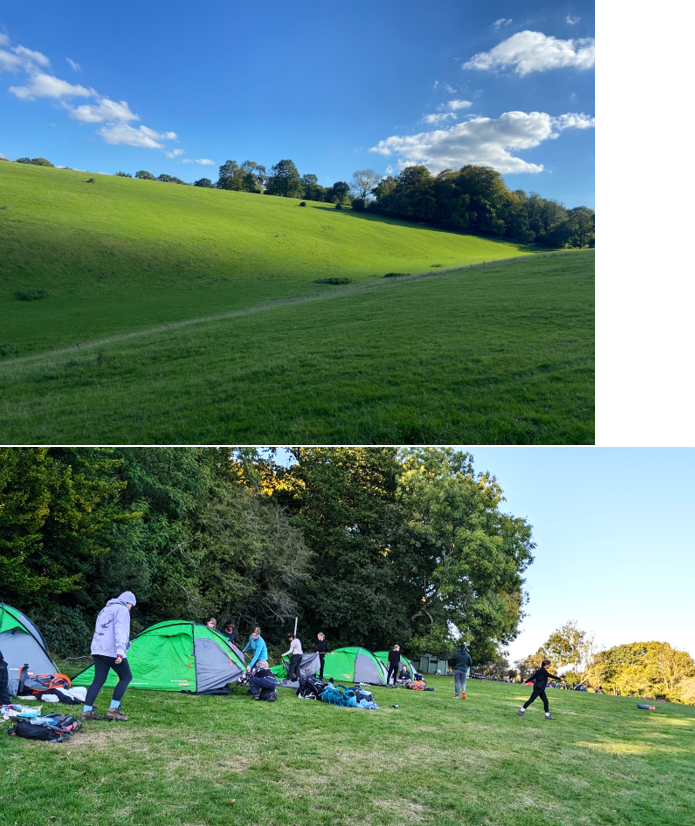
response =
{"points": [[295, 626]]}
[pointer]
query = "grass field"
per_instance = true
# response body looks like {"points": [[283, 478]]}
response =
{"points": [[488, 355], [180, 315], [182, 760]]}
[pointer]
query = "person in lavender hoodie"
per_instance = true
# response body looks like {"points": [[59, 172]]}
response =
{"points": [[110, 644]]}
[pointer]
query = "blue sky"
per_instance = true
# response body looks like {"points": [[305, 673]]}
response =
{"points": [[616, 546], [109, 86]]}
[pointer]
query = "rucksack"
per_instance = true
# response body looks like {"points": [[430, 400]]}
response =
{"points": [[310, 688], [53, 727], [36, 684], [416, 685]]}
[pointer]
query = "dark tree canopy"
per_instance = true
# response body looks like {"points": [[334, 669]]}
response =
{"points": [[144, 175], [285, 181]]}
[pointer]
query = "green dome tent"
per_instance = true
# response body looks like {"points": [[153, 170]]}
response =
{"points": [[22, 643], [383, 657], [308, 667], [178, 655], [354, 665]]}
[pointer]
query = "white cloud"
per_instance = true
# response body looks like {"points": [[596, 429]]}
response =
{"points": [[10, 62], [47, 86], [121, 133], [174, 153], [104, 110], [4, 40], [390, 170], [203, 161], [455, 105], [483, 141], [75, 66], [449, 89], [436, 83], [572, 20], [32, 57], [2, 154], [436, 119], [535, 52], [501, 23]]}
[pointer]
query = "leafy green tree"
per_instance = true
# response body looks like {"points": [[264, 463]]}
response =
{"points": [[570, 645], [41, 162], [23, 160], [123, 175], [338, 193], [313, 191], [285, 180], [144, 175], [204, 182], [363, 181], [464, 557]]}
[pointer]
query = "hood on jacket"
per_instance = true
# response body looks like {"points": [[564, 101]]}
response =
{"points": [[126, 596]]}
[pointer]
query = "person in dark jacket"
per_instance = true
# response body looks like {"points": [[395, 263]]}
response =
{"points": [[540, 682], [4, 683], [261, 679], [460, 663], [229, 631], [321, 648], [394, 663]]}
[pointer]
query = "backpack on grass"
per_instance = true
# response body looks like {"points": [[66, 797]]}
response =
{"points": [[310, 688], [37, 684], [55, 728]]}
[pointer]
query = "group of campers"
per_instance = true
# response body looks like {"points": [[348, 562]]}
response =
{"points": [[111, 642]]}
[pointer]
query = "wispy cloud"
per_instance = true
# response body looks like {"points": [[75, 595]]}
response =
{"points": [[501, 23], [436, 83], [437, 118], [528, 52], [449, 89], [174, 153], [572, 20], [203, 161], [38, 83], [482, 141], [455, 105]]}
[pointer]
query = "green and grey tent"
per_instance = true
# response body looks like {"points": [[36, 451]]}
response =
{"points": [[178, 655], [308, 667], [22, 643], [354, 665], [383, 657]]}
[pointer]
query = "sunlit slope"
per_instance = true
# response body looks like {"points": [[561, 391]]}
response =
{"points": [[491, 354], [121, 254]]}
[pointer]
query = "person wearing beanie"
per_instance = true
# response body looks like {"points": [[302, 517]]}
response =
{"points": [[110, 644]]}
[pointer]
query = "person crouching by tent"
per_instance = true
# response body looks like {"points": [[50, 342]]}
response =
{"points": [[260, 650], [230, 632], [460, 663], [295, 653], [110, 644], [540, 681], [263, 684], [4, 682], [394, 663], [321, 648]]}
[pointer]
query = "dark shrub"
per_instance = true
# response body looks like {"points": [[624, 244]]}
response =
{"points": [[436, 265], [394, 274], [123, 175], [32, 294], [91, 181], [303, 203], [23, 160], [338, 206], [333, 281], [7, 350], [358, 204]]}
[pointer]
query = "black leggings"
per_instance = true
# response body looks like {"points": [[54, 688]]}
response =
{"points": [[393, 669], [538, 692], [322, 658], [102, 665]]}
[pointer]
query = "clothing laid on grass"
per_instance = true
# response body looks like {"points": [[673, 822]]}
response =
{"points": [[259, 648], [102, 665], [459, 682]]}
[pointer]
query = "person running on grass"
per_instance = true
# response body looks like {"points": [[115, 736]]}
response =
{"points": [[540, 681], [109, 646], [394, 663], [321, 648], [460, 663]]}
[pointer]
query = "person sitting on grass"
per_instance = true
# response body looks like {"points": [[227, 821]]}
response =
{"points": [[109, 646], [540, 681], [260, 650], [4, 682], [262, 679], [404, 673]]}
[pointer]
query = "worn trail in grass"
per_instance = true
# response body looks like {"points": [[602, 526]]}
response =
{"points": [[494, 354], [182, 760]]}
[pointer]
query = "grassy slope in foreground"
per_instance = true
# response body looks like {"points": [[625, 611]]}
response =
{"points": [[122, 255], [493, 354], [182, 760]]}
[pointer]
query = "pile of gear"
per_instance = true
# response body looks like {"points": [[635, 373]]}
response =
{"points": [[31, 724], [311, 688]]}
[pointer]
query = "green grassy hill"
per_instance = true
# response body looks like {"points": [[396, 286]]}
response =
{"points": [[122, 254], [211, 761], [182, 315]]}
